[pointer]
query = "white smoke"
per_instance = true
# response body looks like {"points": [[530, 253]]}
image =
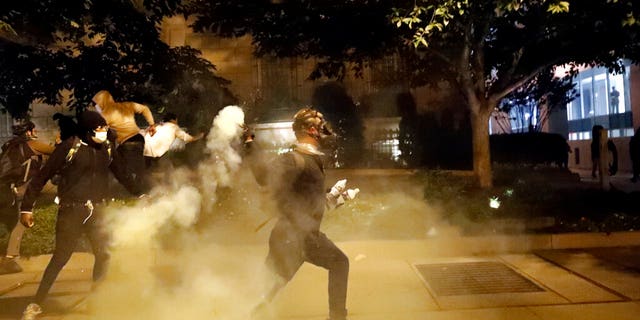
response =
{"points": [[168, 264], [161, 267], [227, 128], [181, 201]]}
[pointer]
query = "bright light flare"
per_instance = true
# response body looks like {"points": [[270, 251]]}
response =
{"points": [[494, 202]]}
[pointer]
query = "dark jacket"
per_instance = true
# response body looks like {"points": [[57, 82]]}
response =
{"points": [[297, 186], [85, 177], [634, 146]]}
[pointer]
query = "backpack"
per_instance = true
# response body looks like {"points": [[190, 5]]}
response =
{"points": [[77, 143], [18, 162]]}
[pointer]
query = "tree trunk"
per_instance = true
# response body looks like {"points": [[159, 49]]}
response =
{"points": [[481, 151]]}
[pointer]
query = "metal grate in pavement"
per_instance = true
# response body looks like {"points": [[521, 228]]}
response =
{"points": [[478, 277]]}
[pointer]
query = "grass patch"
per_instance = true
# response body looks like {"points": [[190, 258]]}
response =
{"points": [[526, 193], [41, 238]]}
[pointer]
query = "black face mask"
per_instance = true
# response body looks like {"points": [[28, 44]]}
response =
{"points": [[326, 138]]}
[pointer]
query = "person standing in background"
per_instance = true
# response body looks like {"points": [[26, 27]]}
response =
{"points": [[614, 99], [634, 153]]}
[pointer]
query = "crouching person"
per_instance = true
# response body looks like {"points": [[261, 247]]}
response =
{"points": [[83, 165]]}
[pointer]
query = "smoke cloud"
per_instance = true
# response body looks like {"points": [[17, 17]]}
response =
{"points": [[195, 247], [165, 266]]}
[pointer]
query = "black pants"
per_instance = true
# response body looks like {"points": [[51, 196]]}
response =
{"points": [[289, 248], [635, 165], [73, 221], [8, 209], [131, 152]]}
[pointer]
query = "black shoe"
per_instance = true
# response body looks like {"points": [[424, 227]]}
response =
{"points": [[9, 265]]}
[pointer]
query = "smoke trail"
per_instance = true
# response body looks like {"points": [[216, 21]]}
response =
{"points": [[220, 145], [181, 201], [161, 268]]}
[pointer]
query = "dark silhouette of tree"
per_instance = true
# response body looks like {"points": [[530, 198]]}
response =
{"points": [[485, 49], [537, 99], [488, 49], [410, 143], [332, 100], [88, 45], [331, 31]]}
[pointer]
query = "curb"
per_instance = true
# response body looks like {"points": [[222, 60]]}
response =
{"points": [[454, 245]]}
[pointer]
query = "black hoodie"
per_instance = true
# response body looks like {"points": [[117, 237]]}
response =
{"points": [[85, 176]]}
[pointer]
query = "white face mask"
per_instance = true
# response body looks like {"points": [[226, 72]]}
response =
{"points": [[99, 137], [98, 108]]}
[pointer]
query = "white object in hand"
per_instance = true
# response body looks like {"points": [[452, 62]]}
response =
{"points": [[338, 188], [350, 194]]}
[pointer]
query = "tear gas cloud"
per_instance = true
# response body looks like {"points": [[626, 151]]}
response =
{"points": [[191, 249], [161, 268]]}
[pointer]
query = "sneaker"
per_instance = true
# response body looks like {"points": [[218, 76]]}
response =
{"points": [[31, 312], [9, 265]]}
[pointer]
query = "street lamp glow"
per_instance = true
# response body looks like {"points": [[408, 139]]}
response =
{"points": [[494, 202]]}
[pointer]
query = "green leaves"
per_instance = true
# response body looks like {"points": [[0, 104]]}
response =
{"points": [[558, 7], [90, 45], [630, 20], [435, 17]]}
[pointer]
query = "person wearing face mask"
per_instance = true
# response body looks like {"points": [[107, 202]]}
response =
{"points": [[301, 197], [120, 116], [83, 164]]}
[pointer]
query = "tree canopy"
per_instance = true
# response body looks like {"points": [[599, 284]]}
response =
{"points": [[485, 49], [488, 49], [530, 105], [334, 32], [88, 45]]}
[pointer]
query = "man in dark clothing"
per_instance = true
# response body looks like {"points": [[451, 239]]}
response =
{"points": [[301, 199], [83, 165], [29, 152], [595, 149], [634, 152]]}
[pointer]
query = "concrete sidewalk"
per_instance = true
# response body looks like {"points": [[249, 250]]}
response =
{"points": [[522, 277]]}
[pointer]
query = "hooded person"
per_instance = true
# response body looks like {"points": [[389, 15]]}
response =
{"points": [[120, 116], [83, 164], [68, 127], [28, 156], [301, 198]]}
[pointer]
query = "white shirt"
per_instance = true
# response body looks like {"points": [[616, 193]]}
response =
{"points": [[157, 145]]}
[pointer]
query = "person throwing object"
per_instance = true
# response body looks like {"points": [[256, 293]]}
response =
{"points": [[83, 164], [156, 145]]}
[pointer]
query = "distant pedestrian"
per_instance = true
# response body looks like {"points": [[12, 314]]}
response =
{"points": [[595, 149], [634, 152], [614, 99], [84, 165], [120, 116]]}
